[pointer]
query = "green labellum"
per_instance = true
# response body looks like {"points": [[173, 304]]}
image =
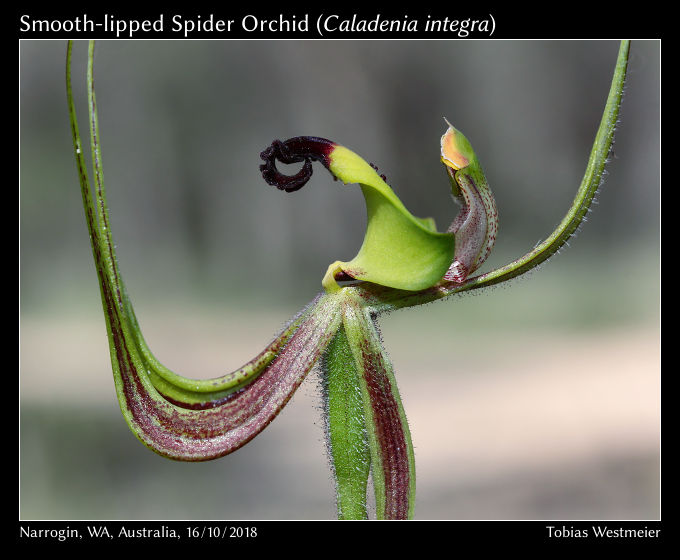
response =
{"points": [[399, 250]]}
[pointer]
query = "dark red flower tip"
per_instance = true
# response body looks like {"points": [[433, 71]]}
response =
{"points": [[295, 150], [342, 276]]}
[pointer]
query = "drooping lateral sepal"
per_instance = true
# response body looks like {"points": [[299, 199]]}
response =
{"points": [[197, 435], [347, 437], [391, 449], [192, 420]]}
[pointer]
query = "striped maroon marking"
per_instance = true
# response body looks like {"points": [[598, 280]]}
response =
{"points": [[389, 433], [199, 435]]}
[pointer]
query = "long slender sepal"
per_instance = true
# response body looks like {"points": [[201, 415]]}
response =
{"points": [[181, 390], [592, 179], [187, 419], [392, 457], [346, 427], [206, 393], [198, 435], [384, 300]]}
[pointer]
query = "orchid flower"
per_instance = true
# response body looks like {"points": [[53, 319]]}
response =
{"points": [[404, 261]]}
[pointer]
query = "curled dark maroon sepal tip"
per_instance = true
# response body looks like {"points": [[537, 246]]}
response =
{"points": [[294, 150]]}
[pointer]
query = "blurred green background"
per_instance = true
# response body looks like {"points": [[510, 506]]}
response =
{"points": [[537, 400]]}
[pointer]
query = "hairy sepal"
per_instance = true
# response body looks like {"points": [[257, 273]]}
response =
{"points": [[391, 449], [347, 437], [192, 420]]}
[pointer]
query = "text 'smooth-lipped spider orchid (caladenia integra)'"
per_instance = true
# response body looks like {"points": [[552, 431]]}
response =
{"points": [[403, 261]]}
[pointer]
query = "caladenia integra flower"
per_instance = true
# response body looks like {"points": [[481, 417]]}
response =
{"points": [[399, 250], [403, 261]]}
